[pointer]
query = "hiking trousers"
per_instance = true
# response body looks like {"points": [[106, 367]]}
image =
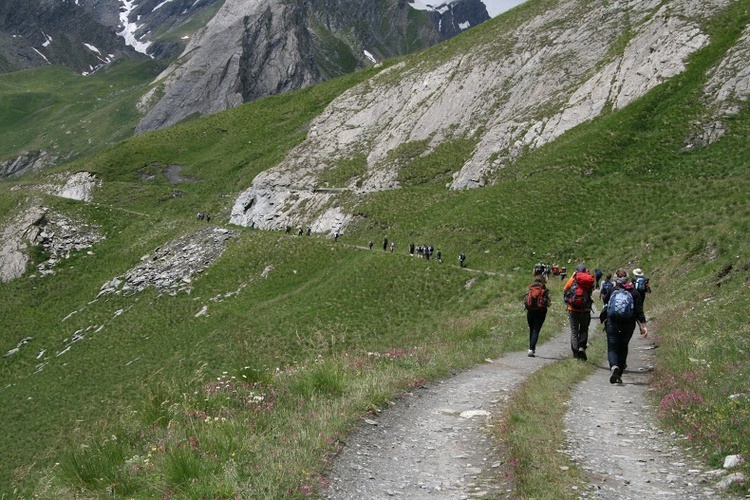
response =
{"points": [[535, 320], [618, 338], [579, 330]]}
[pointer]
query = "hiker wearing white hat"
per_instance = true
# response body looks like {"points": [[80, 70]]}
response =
{"points": [[640, 282]]}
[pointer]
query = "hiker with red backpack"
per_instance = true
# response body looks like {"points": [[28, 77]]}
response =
{"points": [[624, 309], [577, 295], [536, 301]]}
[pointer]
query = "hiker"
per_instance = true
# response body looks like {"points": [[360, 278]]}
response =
{"points": [[369, 245], [309, 230], [393, 246], [385, 244], [606, 288], [200, 216], [208, 217], [640, 282], [336, 236], [577, 294], [288, 228], [411, 249], [299, 231], [461, 259], [563, 273], [439, 255], [598, 275], [536, 301], [624, 309]]}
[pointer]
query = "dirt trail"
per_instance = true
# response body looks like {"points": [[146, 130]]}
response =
{"points": [[435, 443], [613, 436]]}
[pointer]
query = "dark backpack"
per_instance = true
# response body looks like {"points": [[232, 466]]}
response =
{"points": [[621, 305], [578, 296], [536, 298], [639, 284], [606, 289]]}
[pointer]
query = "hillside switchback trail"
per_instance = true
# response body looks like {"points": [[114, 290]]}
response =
{"points": [[435, 442]]}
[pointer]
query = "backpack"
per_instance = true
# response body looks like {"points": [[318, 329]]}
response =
{"points": [[578, 296], [621, 306], [606, 289], [536, 298], [639, 284]]}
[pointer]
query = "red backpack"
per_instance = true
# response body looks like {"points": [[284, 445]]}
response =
{"points": [[578, 296], [536, 297]]}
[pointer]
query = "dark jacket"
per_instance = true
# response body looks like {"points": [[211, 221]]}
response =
{"points": [[638, 314]]}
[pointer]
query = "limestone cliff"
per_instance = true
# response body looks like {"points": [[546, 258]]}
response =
{"points": [[255, 48], [519, 88]]}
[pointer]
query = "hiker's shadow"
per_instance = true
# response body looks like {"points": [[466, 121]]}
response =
{"points": [[632, 377]]}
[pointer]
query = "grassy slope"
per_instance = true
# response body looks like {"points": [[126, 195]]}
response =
{"points": [[57, 110], [336, 303]]}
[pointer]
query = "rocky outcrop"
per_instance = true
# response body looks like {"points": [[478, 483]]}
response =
{"points": [[559, 69], [56, 235], [257, 48], [171, 267], [26, 162], [727, 89], [78, 186]]}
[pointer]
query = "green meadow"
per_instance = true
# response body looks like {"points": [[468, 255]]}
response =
{"points": [[303, 336]]}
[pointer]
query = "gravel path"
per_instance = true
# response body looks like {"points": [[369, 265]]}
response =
{"points": [[613, 437], [435, 443]]}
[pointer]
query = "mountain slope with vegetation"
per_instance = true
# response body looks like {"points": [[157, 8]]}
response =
{"points": [[244, 383]]}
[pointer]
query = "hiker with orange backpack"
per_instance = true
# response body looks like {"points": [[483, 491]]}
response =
{"points": [[536, 301], [577, 295]]}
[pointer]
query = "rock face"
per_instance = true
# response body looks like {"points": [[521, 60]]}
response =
{"points": [[55, 234], [171, 267], [559, 68], [24, 163], [256, 48], [79, 186], [87, 35]]}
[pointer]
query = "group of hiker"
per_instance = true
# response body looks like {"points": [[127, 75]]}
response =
{"points": [[622, 309], [421, 251]]}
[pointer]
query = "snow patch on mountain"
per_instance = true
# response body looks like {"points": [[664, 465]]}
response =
{"points": [[129, 29]]}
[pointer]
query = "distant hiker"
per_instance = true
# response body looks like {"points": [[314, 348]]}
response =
{"points": [[336, 236], [536, 301], [640, 283], [461, 259], [309, 230], [208, 217], [606, 288], [385, 244], [577, 294], [288, 228], [411, 249], [598, 275], [370, 244], [624, 309], [200, 216], [439, 255], [299, 231], [563, 273], [393, 246]]}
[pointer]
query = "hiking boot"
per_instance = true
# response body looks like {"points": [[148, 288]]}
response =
{"points": [[582, 355], [532, 353], [614, 378]]}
